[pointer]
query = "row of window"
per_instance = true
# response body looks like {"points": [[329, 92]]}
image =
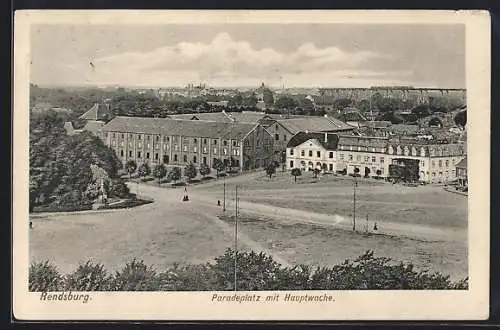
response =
{"points": [[399, 150], [166, 158], [310, 153], [440, 163], [235, 152], [359, 148], [167, 138], [366, 158]]}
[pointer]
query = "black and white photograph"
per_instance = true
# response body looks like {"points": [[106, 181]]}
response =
{"points": [[250, 162]]}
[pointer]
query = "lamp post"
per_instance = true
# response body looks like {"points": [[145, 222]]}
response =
{"points": [[224, 201], [354, 204]]}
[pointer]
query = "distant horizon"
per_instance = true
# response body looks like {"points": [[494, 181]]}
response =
{"points": [[242, 87]]}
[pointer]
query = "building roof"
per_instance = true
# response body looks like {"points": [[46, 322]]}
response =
{"points": [[98, 111], [378, 124], [223, 117], [462, 163], [404, 129], [314, 124], [167, 126], [301, 137], [363, 141]]}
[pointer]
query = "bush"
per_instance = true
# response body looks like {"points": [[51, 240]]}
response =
{"points": [[44, 277], [189, 278], [256, 271], [118, 188], [89, 277], [136, 276]]}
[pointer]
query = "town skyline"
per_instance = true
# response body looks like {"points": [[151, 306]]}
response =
{"points": [[239, 56]]}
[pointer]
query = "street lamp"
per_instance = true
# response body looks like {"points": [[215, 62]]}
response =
{"points": [[224, 201], [354, 204]]}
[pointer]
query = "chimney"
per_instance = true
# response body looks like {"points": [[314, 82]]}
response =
{"points": [[326, 137]]}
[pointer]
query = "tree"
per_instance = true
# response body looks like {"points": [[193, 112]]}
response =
{"points": [[286, 102], [144, 170], [204, 169], [130, 167], [316, 171], [250, 101], [296, 172], [218, 165], [159, 172], [190, 171], [271, 169], [174, 174], [268, 97]]}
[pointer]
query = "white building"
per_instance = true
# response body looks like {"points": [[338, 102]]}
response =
{"points": [[372, 156], [312, 150]]}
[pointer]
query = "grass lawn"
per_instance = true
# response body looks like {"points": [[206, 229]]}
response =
{"points": [[381, 201]]}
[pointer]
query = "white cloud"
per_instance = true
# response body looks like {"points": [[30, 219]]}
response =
{"points": [[226, 61]]}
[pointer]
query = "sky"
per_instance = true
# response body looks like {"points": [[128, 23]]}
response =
{"points": [[244, 55]]}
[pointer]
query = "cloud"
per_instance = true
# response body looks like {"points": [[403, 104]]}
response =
{"points": [[227, 59]]}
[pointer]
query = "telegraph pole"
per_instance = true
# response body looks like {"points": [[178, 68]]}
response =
{"points": [[354, 205], [224, 201], [235, 239]]}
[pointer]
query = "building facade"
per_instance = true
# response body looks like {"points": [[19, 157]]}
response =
{"points": [[181, 142], [309, 151], [372, 156]]}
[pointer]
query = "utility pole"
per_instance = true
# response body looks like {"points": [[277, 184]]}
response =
{"points": [[224, 201], [354, 205], [235, 239]]}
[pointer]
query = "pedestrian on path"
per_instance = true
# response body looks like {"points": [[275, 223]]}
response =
{"points": [[218, 202], [375, 228]]}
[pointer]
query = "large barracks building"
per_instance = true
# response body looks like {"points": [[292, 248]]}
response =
{"points": [[179, 142]]}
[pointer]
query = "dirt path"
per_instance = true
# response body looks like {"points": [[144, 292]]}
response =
{"points": [[204, 209], [205, 203]]}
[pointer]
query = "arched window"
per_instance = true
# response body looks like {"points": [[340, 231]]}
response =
{"points": [[422, 152], [406, 151], [391, 150], [413, 151], [398, 150]]}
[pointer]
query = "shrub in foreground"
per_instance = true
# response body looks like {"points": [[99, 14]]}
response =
{"points": [[43, 276], [89, 277], [255, 272]]}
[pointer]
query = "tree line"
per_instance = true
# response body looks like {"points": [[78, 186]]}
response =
{"points": [[254, 272], [160, 171]]}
